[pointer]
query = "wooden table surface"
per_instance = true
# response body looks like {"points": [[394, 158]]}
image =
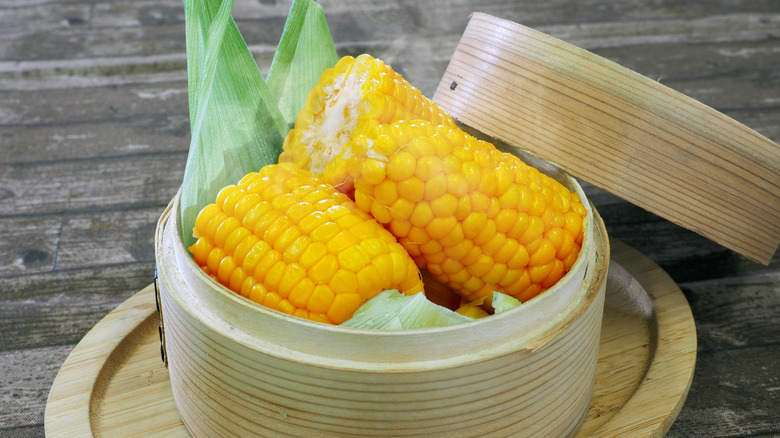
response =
{"points": [[94, 132]]}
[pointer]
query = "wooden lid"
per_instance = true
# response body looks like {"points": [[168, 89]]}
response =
{"points": [[618, 130]]}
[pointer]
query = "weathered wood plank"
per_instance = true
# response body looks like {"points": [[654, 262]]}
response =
{"points": [[734, 393], [99, 184], [26, 375]]}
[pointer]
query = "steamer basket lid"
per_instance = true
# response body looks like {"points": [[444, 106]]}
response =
{"points": [[618, 130]]}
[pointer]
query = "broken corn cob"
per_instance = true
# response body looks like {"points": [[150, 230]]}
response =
{"points": [[282, 238], [478, 219], [350, 98]]}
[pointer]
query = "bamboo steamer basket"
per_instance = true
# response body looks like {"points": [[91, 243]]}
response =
{"points": [[240, 369]]}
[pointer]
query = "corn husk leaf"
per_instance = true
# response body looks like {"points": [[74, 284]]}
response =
{"points": [[235, 121], [391, 310], [503, 302], [305, 50]]}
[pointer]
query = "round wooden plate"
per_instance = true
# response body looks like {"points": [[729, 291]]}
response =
{"points": [[114, 383]]}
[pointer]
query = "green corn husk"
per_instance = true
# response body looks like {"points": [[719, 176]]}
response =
{"points": [[238, 121], [391, 310]]}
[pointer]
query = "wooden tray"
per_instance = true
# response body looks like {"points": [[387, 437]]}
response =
{"points": [[114, 382]]}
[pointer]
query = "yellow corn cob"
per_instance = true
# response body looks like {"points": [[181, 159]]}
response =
{"points": [[282, 238], [478, 219], [355, 95]]}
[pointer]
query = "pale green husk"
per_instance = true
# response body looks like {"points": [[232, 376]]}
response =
{"points": [[503, 302], [391, 310], [238, 121]]}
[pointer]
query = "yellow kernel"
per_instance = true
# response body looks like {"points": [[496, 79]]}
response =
{"points": [[504, 179], [324, 232], [373, 171], [225, 269], [494, 244], [373, 246], [428, 166], [566, 246], [422, 215], [573, 223], [322, 271], [572, 257], [481, 266], [505, 220], [386, 192], [538, 206], [401, 166], [460, 250], [457, 185], [274, 275], [441, 227], [464, 207], [214, 259], [381, 213], [495, 274], [451, 164], [301, 293], [368, 282], [343, 282], [507, 251], [533, 231], [400, 228], [255, 213], [435, 187], [203, 219], [480, 202], [555, 275], [247, 285], [486, 233], [412, 189], [257, 293], [341, 241], [402, 208], [525, 199], [543, 255], [223, 194], [272, 300], [556, 237], [243, 248], [224, 229], [384, 266], [473, 224], [200, 251], [344, 305], [400, 267], [293, 252], [266, 262], [472, 174], [488, 183], [237, 278], [312, 254], [285, 239], [539, 273], [353, 258], [285, 306], [454, 237], [300, 210], [321, 299]]}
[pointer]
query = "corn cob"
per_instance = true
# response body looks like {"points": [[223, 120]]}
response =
{"points": [[478, 219], [283, 239], [355, 95]]}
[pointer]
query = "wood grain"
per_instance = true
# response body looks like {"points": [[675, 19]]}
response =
{"points": [[619, 130], [104, 82], [132, 395]]}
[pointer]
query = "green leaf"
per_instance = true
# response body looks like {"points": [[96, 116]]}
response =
{"points": [[305, 50], [235, 122], [503, 302], [391, 310]]}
